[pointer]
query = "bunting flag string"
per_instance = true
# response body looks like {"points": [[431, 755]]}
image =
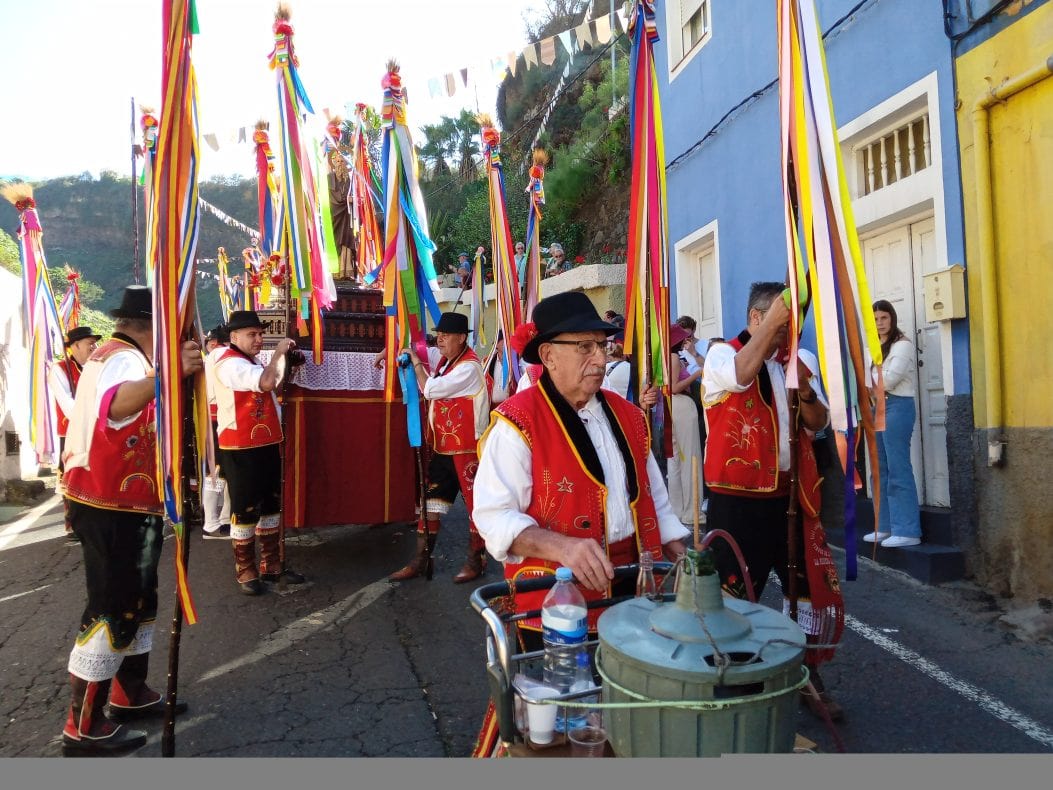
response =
{"points": [[824, 259], [536, 191], [69, 307], [228, 220], [410, 283], [506, 278], [41, 323], [311, 285], [647, 270], [175, 218]]}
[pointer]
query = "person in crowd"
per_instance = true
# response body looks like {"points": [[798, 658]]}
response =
{"points": [[215, 498], [566, 475], [556, 261], [80, 342], [899, 520], [616, 375], [115, 508], [747, 463], [685, 465], [521, 262], [458, 409], [614, 317], [499, 383], [248, 422], [463, 275], [693, 356]]}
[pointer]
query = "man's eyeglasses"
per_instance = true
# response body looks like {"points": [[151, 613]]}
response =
{"points": [[585, 347]]}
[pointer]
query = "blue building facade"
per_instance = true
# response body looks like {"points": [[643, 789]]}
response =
{"points": [[892, 77]]}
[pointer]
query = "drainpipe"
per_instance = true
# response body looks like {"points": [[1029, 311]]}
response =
{"points": [[986, 232]]}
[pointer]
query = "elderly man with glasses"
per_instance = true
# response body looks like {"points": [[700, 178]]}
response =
{"points": [[566, 476]]}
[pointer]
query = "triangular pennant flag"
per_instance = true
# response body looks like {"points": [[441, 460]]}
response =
{"points": [[548, 51], [213, 143], [603, 29], [434, 88], [583, 33], [564, 39], [464, 77], [530, 55], [499, 67], [451, 85], [623, 18], [242, 138], [512, 58]]}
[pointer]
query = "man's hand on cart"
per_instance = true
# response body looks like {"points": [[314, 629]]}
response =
{"points": [[190, 356], [285, 345], [378, 359], [584, 556]]}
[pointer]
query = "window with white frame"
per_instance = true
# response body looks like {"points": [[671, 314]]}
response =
{"points": [[894, 154], [688, 26]]}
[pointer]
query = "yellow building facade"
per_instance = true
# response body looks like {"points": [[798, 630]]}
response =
{"points": [[1005, 122]]}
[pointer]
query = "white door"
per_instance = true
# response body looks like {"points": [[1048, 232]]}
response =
{"points": [[698, 287], [895, 262]]}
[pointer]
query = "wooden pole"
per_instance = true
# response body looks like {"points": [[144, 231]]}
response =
{"points": [[791, 511], [694, 497], [190, 518]]}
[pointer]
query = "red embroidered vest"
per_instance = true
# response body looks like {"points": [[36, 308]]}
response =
{"points": [[72, 372], [122, 462], [567, 497], [452, 420], [256, 421], [742, 446]]}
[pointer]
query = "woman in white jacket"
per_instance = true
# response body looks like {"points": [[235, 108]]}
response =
{"points": [[899, 523]]}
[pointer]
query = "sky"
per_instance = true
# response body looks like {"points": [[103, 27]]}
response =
{"points": [[71, 69]]}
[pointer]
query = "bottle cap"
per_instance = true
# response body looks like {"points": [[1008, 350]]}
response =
{"points": [[564, 574]]}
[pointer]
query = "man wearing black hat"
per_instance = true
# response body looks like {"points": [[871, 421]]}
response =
{"points": [[215, 497], [458, 409], [248, 421], [115, 508], [62, 381], [566, 475]]}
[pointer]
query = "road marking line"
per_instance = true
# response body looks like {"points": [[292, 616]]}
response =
{"points": [[27, 592], [9, 533], [294, 633], [985, 701]]}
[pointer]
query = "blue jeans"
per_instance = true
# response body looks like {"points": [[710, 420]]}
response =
{"points": [[899, 495]]}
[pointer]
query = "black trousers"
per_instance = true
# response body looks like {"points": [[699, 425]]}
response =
{"points": [[121, 552], [758, 526], [254, 480]]}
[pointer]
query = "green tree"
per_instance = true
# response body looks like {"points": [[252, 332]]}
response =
{"points": [[467, 136], [10, 258]]}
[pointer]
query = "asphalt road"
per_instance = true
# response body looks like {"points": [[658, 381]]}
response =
{"points": [[351, 665]]}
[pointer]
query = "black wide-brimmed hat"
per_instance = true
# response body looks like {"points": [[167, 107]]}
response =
{"points": [[570, 311], [453, 324], [80, 333], [243, 319], [136, 302]]}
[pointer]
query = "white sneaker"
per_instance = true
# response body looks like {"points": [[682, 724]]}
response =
{"points": [[896, 542], [872, 537]]}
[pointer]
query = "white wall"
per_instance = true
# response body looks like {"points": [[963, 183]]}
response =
{"points": [[14, 380]]}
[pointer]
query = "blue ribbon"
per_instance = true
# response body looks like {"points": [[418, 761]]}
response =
{"points": [[411, 397]]}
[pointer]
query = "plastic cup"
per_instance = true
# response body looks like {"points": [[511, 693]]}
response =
{"points": [[587, 741], [541, 717]]}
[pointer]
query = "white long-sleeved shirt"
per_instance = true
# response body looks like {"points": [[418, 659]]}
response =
{"points": [[504, 486], [61, 389], [616, 377], [897, 367], [239, 374], [718, 378], [462, 381]]}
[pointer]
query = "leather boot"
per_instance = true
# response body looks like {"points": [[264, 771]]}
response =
{"points": [[87, 730], [473, 567], [271, 566], [422, 563], [245, 566], [130, 697]]}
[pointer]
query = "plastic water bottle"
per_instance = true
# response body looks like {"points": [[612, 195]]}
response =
{"points": [[563, 630], [579, 717]]}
